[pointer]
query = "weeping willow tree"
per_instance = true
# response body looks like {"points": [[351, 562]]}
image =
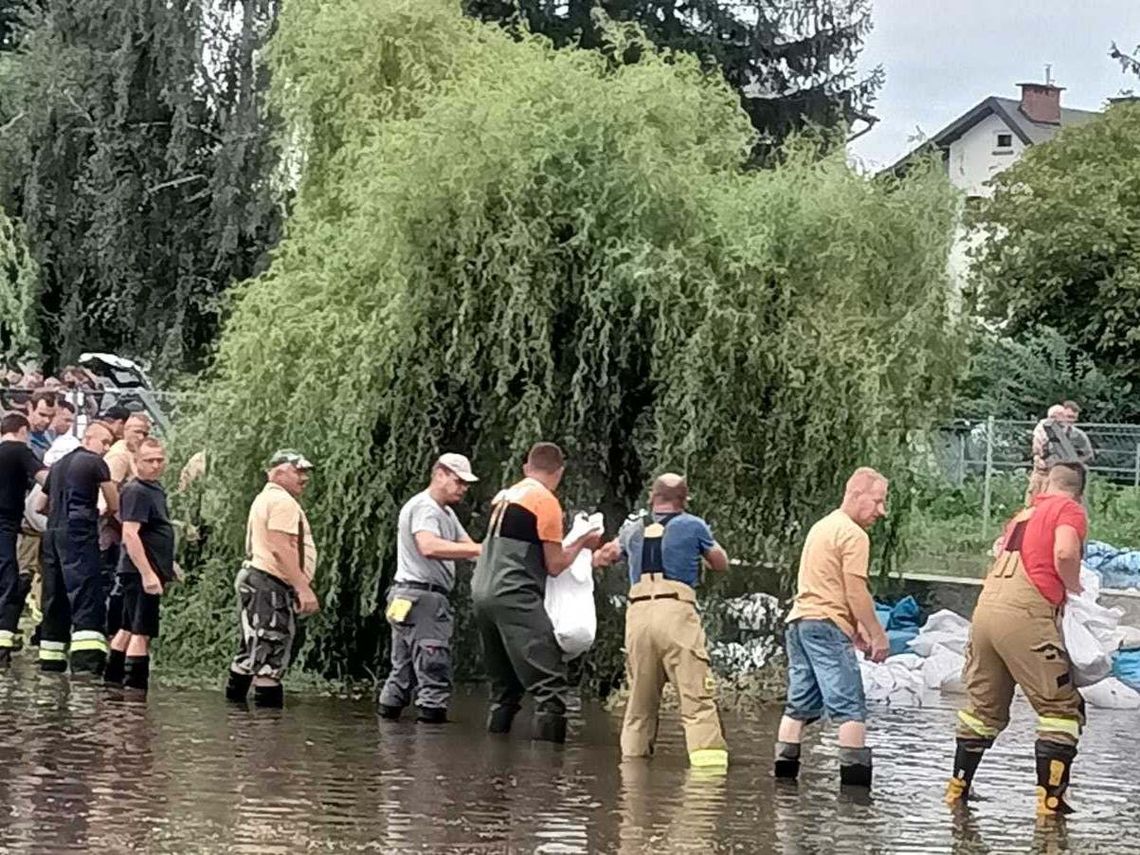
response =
{"points": [[496, 242], [17, 290]]}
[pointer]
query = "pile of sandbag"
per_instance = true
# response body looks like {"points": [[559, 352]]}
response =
{"points": [[1105, 655]]}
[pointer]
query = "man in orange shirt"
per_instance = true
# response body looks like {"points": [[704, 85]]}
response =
{"points": [[833, 613], [523, 546], [1015, 641]]}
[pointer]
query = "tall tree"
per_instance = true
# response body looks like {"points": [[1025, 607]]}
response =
{"points": [[136, 154], [793, 64]]}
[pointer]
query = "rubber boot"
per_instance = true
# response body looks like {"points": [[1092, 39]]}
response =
{"points": [[966, 759], [5, 657], [431, 715], [390, 713], [88, 662], [237, 687], [1054, 762], [269, 697], [855, 767], [501, 717], [115, 669], [787, 765], [137, 673], [53, 657], [549, 727]]}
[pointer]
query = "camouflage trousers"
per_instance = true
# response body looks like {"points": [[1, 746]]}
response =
{"points": [[268, 624]]}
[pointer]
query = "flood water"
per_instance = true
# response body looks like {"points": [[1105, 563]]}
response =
{"points": [[82, 770]]}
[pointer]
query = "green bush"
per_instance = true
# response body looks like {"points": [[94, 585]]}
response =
{"points": [[496, 242]]}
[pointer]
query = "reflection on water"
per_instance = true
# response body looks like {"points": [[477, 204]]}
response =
{"points": [[84, 770]]}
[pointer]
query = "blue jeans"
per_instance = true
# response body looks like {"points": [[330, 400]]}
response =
{"points": [[823, 674]]}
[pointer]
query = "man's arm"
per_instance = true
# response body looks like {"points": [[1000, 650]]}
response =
{"points": [[152, 583], [431, 545], [559, 557], [43, 503], [111, 497], [863, 608], [716, 557], [1067, 551]]}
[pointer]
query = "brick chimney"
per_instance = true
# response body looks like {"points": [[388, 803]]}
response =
{"points": [[1041, 102]]}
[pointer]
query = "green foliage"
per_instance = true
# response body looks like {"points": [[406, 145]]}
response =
{"points": [[495, 242], [135, 152], [1019, 378], [792, 64], [1061, 247], [17, 290]]}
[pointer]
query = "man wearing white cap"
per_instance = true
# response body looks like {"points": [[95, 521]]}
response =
{"points": [[429, 540]]}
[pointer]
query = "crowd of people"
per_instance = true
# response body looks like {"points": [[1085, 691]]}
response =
{"points": [[104, 546]]}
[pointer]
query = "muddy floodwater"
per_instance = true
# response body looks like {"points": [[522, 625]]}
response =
{"points": [[81, 770]]}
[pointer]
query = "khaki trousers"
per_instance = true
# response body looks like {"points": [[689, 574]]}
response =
{"points": [[28, 554], [664, 640], [1015, 641]]}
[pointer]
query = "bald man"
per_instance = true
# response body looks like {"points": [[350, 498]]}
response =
{"points": [[664, 640], [1015, 641], [832, 614]]}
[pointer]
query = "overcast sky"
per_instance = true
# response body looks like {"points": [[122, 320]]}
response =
{"points": [[942, 57]]}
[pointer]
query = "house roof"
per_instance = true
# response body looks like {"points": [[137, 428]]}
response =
{"points": [[1009, 109]]}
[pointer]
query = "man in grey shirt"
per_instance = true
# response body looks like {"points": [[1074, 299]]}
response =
{"points": [[429, 541]]}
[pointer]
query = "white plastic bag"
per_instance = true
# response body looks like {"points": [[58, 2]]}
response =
{"points": [[1111, 694], [1091, 663], [943, 670], [570, 594]]}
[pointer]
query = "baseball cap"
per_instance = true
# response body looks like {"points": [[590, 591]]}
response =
{"points": [[458, 464], [288, 455]]}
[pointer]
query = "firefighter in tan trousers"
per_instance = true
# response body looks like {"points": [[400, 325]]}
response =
{"points": [[664, 640], [1015, 640]]}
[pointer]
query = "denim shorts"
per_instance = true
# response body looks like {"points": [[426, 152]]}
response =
{"points": [[823, 673]]}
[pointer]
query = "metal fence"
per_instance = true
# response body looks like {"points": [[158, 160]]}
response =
{"points": [[987, 447]]}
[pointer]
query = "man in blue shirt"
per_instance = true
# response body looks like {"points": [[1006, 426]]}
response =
{"points": [[664, 639]]}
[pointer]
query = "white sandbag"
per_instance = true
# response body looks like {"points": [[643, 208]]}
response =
{"points": [[925, 643], [945, 620], [1111, 694], [1091, 663], [1126, 638], [943, 670], [1090, 583], [1101, 622], [570, 594]]}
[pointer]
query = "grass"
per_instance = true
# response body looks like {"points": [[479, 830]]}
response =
{"points": [[947, 534]]}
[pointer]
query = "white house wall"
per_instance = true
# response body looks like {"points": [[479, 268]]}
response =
{"points": [[974, 158]]}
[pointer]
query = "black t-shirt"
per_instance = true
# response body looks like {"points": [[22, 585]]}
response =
{"points": [[18, 468], [144, 502], [85, 472], [55, 487]]}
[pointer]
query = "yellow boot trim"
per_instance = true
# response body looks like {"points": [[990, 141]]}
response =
{"points": [[7, 639], [977, 725], [955, 791], [1047, 805], [88, 639], [1068, 726], [705, 757]]}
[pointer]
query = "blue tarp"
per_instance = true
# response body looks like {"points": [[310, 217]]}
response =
{"points": [[900, 621], [1118, 568], [1126, 668]]}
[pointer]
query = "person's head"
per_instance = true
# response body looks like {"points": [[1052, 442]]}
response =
{"points": [[1067, 479], [64, 418], [1072, 412], [150, 459], [670, 491], [450, 478], [34, 378], [135, 429], [289, 470], [865, 499], [14, 426], [98, 438], [545, 464], [1056, 413], [115, 418], [41, 410]]}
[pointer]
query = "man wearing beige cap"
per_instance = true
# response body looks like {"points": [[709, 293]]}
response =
{"points": [[430, 539], [275, 581]]}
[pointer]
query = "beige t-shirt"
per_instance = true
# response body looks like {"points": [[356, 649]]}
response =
{"points": [[835, 547], [275, 510], [121, 461]]}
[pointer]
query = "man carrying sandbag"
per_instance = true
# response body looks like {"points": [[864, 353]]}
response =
{"points": [[1015, 641], [430, 539], [664, 639]]}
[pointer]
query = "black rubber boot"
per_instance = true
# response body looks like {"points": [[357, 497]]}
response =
{"points": [[53, 666], [115, 669], [390, 713], [855, 767], [269, 697], [549, 727], [966, 759], [501, 717], [88, 662], [5, 657], [237, 687], [787, 765], [137, 673], [431, 715], [1054, 763]]}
